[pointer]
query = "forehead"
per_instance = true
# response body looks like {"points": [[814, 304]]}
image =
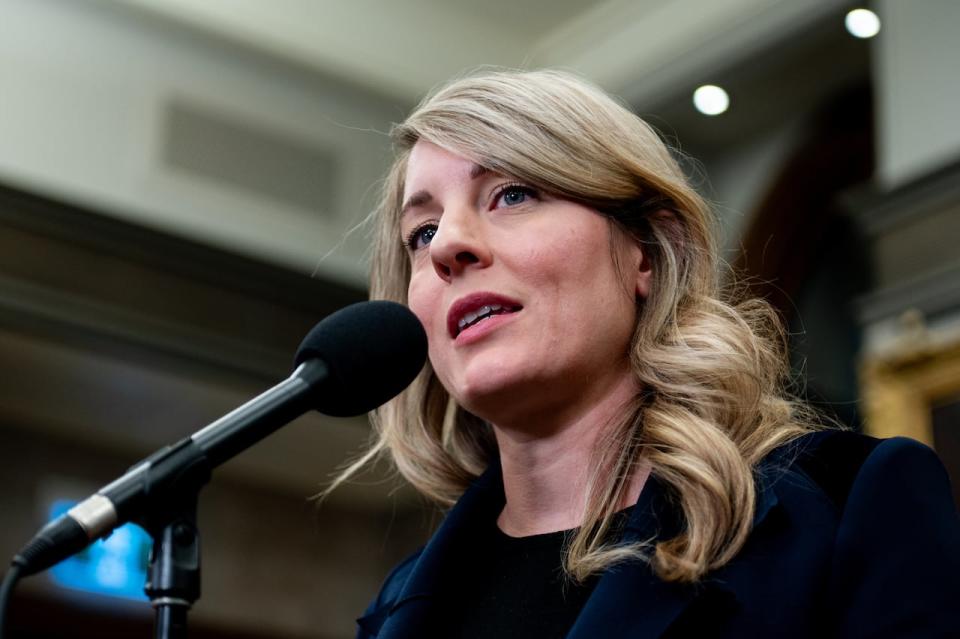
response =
{"points": [[430, 167]]}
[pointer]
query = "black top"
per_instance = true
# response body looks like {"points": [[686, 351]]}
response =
{"points": [[519, 589]]}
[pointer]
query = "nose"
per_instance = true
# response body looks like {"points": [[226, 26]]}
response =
{"points": [[460, 243]]}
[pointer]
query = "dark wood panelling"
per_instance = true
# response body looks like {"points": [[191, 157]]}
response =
{"points": [[69, 271]]}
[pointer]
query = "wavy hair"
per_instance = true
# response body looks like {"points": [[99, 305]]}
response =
{"points": [[712, 372]]}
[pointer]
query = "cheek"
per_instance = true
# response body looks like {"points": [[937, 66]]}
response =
{"points": [[419, 301], [584, 280], [563, 266], [426, 303]]}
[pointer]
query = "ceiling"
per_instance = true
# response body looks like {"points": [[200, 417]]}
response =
{"points": [[642, 50], [778, 59]]}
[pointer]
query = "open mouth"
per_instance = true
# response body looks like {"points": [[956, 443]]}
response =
{"points": [[476, 308], [482, 313]]}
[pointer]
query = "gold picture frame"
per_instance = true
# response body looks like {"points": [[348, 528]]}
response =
{"points": [[899, 390]]}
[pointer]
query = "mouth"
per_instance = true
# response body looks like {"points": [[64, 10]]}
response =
{"points": [[476, 308]]}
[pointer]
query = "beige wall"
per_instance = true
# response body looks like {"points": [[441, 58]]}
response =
{"points": [[917, 90]]}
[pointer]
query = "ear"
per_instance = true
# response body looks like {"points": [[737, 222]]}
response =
{"points": [[643, 272]]}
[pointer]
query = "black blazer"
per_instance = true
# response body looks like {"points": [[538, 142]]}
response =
{"points": [[853, 537]]}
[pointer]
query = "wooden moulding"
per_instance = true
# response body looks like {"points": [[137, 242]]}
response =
{"points": [[900, 390]]}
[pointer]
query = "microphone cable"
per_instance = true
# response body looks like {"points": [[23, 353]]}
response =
{"points": [[6, 590]]}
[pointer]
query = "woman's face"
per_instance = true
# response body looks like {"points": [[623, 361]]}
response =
{"points": [[524, 307]]}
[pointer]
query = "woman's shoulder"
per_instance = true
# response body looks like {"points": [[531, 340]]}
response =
{"points": [[832, 459], [871, 478], [869, 498], [861, 536], [373, 617], [837, 462], [395, 581], [896, 541]]}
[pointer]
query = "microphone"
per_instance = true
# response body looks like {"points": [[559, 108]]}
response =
{"points": [[350, 363]]}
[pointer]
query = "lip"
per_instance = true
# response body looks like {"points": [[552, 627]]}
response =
{"points": [[472, 302]]}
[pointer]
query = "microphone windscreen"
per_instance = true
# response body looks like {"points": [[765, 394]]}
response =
{"points": [[373, 350]]}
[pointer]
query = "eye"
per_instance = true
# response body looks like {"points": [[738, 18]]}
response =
{"points": [[420, 236], [514, 194]]}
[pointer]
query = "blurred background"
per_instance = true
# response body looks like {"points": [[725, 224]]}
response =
{"points": [[183, 186]]}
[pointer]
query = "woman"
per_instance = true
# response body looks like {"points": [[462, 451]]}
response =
{"points": [[615, 439]]}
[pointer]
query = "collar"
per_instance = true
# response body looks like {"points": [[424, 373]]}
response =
{"points": [[628, 600]]}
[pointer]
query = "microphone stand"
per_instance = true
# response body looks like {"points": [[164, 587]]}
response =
{"points": [[173, 578], [173, 575]]}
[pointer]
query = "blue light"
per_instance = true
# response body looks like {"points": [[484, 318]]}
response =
{"points": [[115, 566]]}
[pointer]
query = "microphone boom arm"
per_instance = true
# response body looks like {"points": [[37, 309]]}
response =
{"points": [[152, 488]]}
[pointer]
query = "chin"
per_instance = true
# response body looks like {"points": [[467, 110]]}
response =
{"points": [[488, 391]]}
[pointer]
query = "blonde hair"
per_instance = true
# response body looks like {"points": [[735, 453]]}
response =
{"points": [[712, 372]]}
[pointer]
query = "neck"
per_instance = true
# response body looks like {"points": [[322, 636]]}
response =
{"points": [[547, 464]]}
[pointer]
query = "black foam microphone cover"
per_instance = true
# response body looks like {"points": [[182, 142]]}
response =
{"points": [[373, 350]]}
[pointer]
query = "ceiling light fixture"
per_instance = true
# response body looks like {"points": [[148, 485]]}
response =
{"points": [[862, 23], [711, 99]]}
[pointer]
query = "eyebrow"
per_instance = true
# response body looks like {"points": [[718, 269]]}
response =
{"points": [[423, 197]]}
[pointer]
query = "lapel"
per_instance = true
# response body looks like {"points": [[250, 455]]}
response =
{"points": [[628, 600], [445, 561]]}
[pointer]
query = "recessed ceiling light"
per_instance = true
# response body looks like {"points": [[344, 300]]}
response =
{"points": [[862, 23], [711, 100]]}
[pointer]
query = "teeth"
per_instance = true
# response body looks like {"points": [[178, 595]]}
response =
{"points": [[481, 312]]}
